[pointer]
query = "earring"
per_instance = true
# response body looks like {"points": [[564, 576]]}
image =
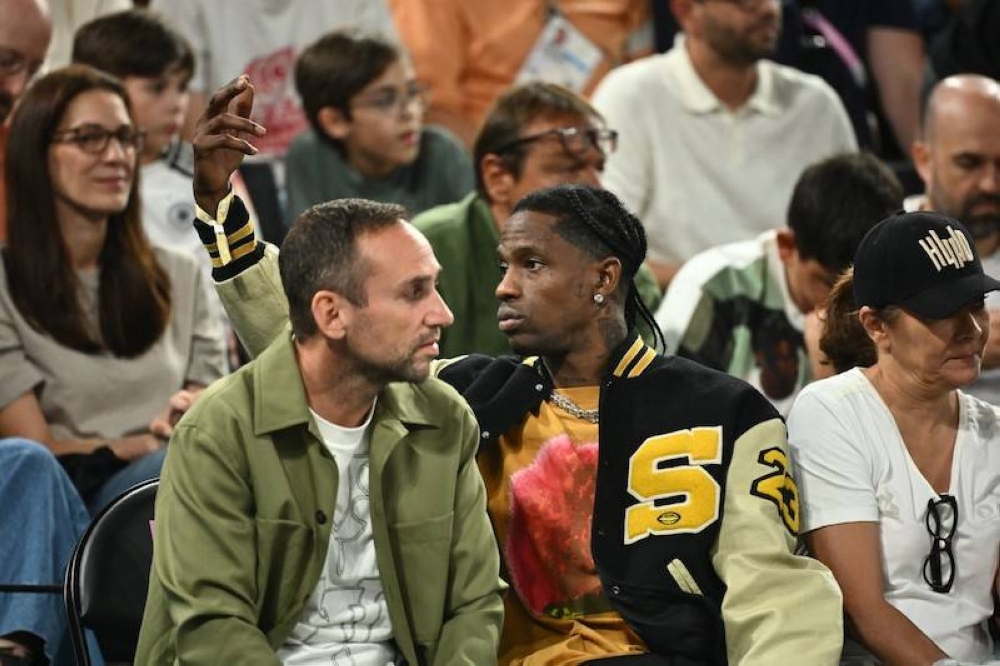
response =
{"points": [[599, 299]]}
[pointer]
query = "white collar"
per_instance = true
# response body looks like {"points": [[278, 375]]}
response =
{"points": [[696, 97]]}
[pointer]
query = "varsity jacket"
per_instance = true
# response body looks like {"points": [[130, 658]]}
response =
{"points": [[696, 511]]}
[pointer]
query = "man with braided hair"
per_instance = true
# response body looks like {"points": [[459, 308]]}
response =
{"points": [[643, 505]]}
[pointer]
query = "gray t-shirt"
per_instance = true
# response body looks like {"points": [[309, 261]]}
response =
{"points": [[99, 395]]}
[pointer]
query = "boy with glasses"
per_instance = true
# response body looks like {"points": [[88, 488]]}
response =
{"points": [[367, 138]]}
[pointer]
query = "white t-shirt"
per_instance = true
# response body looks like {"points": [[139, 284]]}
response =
{"points": [[852, 466], [698, 174], [346, 621], [168, 214], [263, 38]]}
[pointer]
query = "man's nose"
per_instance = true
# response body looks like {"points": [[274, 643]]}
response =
{"points": [[441, 315]]}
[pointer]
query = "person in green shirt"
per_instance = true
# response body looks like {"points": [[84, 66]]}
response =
{"points": [[367, 138], [536, 135]]}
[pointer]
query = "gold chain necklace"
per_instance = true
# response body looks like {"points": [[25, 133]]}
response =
{"points": [[573, 409]]}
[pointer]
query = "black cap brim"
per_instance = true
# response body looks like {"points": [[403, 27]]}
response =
{"points": [[946, 299]]}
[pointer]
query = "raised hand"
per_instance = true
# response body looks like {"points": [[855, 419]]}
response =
{"points": [[221, 140]]}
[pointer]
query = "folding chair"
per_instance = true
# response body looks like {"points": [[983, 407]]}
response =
{"points": [[108, 575]]}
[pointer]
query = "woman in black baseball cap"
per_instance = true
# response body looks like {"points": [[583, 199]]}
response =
{"points": [[899, 470]]}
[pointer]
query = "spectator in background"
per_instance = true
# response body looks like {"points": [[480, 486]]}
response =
{"points": [[871, 53], [367, 138], [155, 63], [34, 489], [25, 29], [469, 53], [105, 340], [712, 136], [899, 467], [958, 158], [263, 40], [968, 44], [67, 17], [741, 308], [536, 135]]}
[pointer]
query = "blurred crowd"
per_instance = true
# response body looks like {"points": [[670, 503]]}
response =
{"points": [[758, 143]]}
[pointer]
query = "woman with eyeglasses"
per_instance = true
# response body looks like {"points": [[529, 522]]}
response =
{"points": [[104, 339], [899, 470]]}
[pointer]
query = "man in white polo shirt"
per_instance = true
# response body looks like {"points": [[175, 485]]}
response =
{"points": [[712, 137]]}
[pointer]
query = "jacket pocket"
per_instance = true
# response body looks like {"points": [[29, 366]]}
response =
{"points": [[284, 554], [424, 557]]}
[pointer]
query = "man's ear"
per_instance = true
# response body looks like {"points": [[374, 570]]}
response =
{"points": [[681, 10], [609, 276], [331, 314], [921, 154], [498, 180], [786, 244], [334, 123]]}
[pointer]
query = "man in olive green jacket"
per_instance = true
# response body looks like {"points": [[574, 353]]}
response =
{"points": [[325, 499]]}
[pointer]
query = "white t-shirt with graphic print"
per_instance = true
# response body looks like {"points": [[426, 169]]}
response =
{"points": [[346, 621], [852, 466]]}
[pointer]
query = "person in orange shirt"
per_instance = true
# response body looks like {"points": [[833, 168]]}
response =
{"points": [[468, 53]]}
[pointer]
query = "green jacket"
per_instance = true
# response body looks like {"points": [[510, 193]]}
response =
{"points": [[244, 513], [464, 236]]}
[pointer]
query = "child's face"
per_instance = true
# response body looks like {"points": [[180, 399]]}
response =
{"points": [[159, 104], [386, 116]]}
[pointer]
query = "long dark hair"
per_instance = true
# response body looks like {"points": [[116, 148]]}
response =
{"points": [[134, 292]]}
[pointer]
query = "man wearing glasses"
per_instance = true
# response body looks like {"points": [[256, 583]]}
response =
{"points": [[713, 137], [537, 135], [25, 30]]}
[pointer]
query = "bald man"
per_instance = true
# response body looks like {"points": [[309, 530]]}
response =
{"points": [[958, 158], [25, 31]]}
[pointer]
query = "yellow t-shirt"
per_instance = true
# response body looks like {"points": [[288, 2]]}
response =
{"points": [[540, 486]]}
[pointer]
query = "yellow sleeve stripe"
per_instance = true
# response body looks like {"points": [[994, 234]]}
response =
{"points": [[629, 356], [241, 251], [233, 238], [642, 363]]}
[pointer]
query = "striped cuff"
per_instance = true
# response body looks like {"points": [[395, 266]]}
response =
{"points": [[229, 238]]}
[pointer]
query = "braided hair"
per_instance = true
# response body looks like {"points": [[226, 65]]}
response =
{"points": [[596, 221]]}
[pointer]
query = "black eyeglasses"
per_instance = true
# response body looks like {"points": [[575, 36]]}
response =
{"points": [[94, 139], [576, 141], [395, 101], [941, 521]]}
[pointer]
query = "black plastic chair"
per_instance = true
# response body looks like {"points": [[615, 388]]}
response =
{"points": [[108, 575]]}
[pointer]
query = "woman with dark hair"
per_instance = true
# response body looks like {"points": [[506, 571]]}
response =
{"points": [[104, 338], [899, 470]]}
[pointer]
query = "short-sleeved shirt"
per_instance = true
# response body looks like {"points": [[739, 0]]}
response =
{"points": [[729, 308], [699, 174], [100, 395], [853, 466]]}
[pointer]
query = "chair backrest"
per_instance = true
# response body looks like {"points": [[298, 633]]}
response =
{"points": [[108, 575]]}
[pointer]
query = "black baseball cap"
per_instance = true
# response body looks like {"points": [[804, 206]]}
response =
{"points": [[923, 262]]}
